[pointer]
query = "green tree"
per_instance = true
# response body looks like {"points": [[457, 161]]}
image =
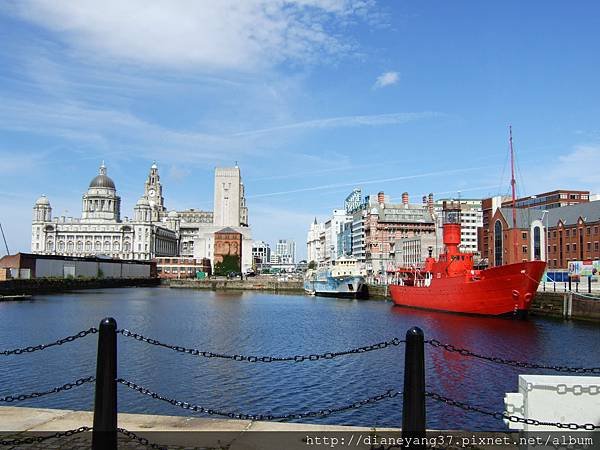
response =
{"points": [[230, 263], [312, 265]]}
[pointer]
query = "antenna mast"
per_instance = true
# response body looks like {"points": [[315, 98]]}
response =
{"points": [[4, 238], [513, 184]]}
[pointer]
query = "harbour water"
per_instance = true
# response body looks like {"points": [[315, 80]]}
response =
{"points": [[255, 323]]}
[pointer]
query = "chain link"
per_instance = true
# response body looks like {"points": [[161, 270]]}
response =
{"points": [[503, 415], [231, 415], [38, 439], [510, 362], [64, 387], [31, 349], [266, 359], [134, 437]]}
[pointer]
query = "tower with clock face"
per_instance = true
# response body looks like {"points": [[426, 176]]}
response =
{"points": [[153, 193]]}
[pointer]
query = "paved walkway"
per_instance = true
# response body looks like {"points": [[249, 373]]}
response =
{"points": [[191, 433], [177, 432]]}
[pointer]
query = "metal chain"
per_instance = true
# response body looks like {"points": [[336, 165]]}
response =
{"points": [[214, 412], [510, 362], [64, 387], [502, 415], [19, 351], [38, 439], [131, 435], [266, 359]]}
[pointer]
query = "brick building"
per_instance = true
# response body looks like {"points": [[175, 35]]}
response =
{"points": [[572, 233], [228, 242]]}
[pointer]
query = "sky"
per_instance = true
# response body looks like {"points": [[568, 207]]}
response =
{"points": [[310, 97]]}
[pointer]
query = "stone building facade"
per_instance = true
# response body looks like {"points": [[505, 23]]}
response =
{"points": [[153, 232], [100, 230]]}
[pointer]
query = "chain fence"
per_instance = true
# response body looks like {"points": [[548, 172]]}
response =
{"points": [[64, 387], [510, 362], [38, 439], [258, 417], [65, 340], [267, 359], [394, 342], [502, 415]]}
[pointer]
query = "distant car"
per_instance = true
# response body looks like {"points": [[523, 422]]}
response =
{"points": [[250, 274], [234, 274]]}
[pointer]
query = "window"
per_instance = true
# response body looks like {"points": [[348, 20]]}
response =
{"points": [[574, 248], [568, 248], [498, 247], [589, 246], [537, 243], [567, 233], [588, 231], [524, 249], [596, 246], [524, 235]]}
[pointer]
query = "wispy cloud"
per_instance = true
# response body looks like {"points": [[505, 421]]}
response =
{"points": [[349, 121], [224, 34], [386, 79], [368, 182]]}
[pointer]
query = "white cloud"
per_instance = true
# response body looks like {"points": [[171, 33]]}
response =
{"points": [[577, 169], [387, 79], [223, 34]]}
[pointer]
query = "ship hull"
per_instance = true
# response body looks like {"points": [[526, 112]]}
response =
{"points": [[349, 287], [497, 291]]}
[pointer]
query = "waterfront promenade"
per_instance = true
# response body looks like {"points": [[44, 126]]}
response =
{"points": [[177, 431]]}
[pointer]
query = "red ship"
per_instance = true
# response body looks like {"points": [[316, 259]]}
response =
{"points": [[451, 283]]}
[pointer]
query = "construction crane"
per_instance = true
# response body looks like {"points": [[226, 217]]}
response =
{"points": [[4, 238]]}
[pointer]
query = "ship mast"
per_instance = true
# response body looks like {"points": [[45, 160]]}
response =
{"points": [[513, 184], [4, 238]]}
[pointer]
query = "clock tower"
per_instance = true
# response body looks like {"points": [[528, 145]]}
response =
{"points": [[153, 193]]}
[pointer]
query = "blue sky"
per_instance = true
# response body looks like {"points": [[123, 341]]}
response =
{"points": [[310, 97]]}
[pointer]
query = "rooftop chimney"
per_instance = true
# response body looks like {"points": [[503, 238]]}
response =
{"points": [[405, 198], [430, 203], [380, 198]]}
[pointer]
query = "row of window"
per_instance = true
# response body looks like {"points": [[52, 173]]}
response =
{"points": [[588, 232], [71, 246]]}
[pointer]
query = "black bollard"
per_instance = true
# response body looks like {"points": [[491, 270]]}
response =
{"points": [[577, 286], [413, 402], [104, 434], [589, 284], [569, 284]]}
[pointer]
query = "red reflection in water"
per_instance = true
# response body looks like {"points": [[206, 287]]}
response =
{"points": [[459, 376]]}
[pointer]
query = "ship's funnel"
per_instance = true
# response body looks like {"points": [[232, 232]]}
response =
{"points": [[451, 224]]}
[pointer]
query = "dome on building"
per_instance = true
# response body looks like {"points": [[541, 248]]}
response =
{"points": [[42, 201], [102, 180], [154, 166], [173, 215], [143, 202]]}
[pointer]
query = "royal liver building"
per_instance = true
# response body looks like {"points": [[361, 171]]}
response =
{"points": [[153, 231]]}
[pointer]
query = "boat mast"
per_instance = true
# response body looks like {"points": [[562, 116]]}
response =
{"points": [[513, 184], [4, 238]]}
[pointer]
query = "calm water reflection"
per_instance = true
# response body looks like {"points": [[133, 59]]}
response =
{"points": [[267, 324]]}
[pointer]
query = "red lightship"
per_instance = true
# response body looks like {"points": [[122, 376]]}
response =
{"points": [[451, 283]]}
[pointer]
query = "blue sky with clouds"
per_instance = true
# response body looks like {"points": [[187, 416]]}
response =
{"points": [[311, 97]]}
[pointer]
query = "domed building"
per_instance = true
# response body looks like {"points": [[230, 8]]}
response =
{"points": [[153, 232], [100, 230]]}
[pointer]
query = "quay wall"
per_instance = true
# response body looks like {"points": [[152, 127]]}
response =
{"points": [[52, 285], [566, 305], [257, 284]]}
